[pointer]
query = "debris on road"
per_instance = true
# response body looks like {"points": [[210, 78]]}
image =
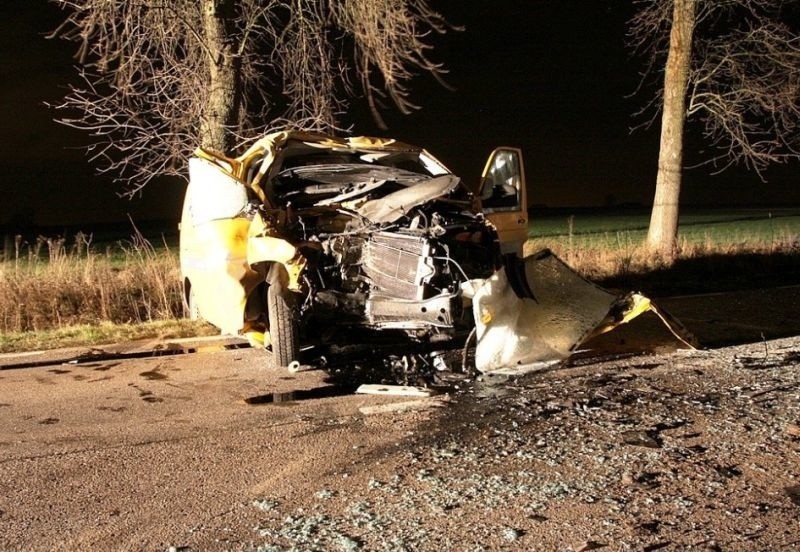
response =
{"points": [[405, 406], [395, 390], [265, 505], [640, 454], [541, 458], [537, 311], [295, 367]]}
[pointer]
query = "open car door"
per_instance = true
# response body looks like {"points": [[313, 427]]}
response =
{"points": [[504, 197]]}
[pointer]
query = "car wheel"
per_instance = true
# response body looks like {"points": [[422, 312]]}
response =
{"points": [[283, 330]]}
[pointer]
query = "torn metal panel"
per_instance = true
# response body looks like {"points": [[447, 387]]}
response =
{"points": [[215, 194], [255, 164], [214, 244], [543, 311], [392, 207], [393, 390], [217, 261]]}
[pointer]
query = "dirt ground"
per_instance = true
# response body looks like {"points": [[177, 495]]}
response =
{"points": [[694, 450]]}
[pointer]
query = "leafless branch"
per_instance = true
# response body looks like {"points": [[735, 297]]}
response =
{"points": [[158, 78], [744, 83], [747, 90]]}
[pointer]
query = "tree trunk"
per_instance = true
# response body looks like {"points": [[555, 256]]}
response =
{"points": [[221, 113], [663, 233]]}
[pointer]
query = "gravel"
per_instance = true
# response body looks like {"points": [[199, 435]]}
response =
{"points": [[689, 450]]}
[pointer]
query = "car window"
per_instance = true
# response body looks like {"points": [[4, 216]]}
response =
{"points": [[502, 182]]}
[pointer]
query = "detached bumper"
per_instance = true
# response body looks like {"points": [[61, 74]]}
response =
{"points": [[538, 311]]}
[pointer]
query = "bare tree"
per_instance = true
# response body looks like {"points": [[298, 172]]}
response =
{"points": [[160, 77], [732, 65]]}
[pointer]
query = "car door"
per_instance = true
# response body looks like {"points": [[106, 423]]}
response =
{"points": [[504, 197]]}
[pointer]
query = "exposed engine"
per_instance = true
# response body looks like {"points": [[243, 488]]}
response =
{"points": [[407, 276]]}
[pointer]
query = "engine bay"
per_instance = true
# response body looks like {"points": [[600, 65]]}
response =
{"points": [[407, 275]]}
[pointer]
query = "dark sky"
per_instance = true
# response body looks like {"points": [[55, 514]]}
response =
{"points": [[45, 175], [551, 77]]}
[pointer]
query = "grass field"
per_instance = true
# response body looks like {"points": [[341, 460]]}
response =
{"points": [[621, 230], [63, 282], [717, 250]]}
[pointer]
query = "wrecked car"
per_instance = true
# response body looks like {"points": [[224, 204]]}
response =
{"points": [[304, 233]]}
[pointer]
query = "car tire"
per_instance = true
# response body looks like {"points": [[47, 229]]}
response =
{"points": [[283, 331]]}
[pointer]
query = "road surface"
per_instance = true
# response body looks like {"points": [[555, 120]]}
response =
{"points": [[676, 449]]}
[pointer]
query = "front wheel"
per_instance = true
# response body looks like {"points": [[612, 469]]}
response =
{"points": [[283, 330]]}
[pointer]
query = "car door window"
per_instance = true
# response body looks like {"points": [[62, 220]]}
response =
{"points": [[502, 181]]}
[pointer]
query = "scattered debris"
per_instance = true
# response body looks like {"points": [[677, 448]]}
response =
{"points": [[590, 545], [265, 505], [295, 367], [641, 439], [439, 361], [394, 390], [794, 494], [346, 544], [645, 454], [656, 546], [420, 404]]}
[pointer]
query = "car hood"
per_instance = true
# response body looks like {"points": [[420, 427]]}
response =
{"points": [[393, 206]]}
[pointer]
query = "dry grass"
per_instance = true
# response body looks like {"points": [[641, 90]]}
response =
{"points": [[51, 284], [601, 262]]}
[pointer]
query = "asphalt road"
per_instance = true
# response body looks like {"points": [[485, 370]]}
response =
{"points": [[151, 453], [191, 451]]}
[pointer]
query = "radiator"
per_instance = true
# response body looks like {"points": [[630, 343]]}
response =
{"points": [[398, 265]]}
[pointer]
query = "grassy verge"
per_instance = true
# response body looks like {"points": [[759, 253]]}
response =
{"points": [[603, 247], [615, 230], [52, 285], [58, 294], [102, 334]]}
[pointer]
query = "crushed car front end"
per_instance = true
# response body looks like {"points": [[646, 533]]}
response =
{"points": [[333, 233], [304, 236]]}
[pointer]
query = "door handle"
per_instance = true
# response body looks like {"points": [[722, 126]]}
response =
{"points": [[521, 221]]}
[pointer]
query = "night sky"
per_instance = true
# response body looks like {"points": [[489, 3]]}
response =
{"points": [[552, 77]]}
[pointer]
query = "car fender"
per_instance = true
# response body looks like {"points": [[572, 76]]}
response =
{"points": [[263, 246]]}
